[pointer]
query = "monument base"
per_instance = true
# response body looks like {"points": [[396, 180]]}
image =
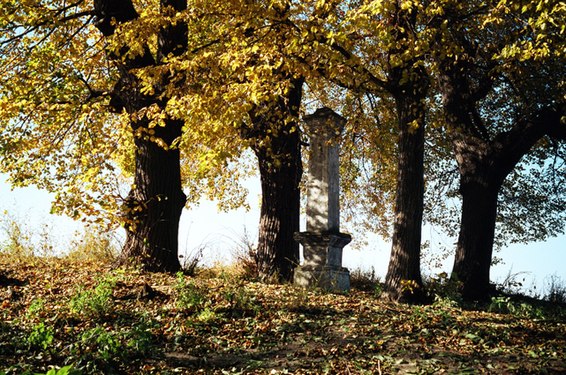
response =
{"points": [[331, 279]]}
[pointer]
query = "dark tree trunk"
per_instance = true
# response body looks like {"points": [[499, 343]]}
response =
{"points": [[277, 251], [408, 83], [403, 280], [475, 241], [484, 161], [280, 169], [154, 205]]}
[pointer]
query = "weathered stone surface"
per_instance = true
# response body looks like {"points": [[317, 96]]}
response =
{"points": [[323, 181], [323, 242], [323, 249], [327, 278]]}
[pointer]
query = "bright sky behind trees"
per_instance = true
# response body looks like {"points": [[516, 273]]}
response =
{"points": [[220, 233]]}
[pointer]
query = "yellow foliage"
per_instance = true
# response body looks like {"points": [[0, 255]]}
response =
{"points": [[57, 73]]}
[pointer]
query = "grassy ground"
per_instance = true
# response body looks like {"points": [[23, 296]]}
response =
{"points": [[57, 313]]}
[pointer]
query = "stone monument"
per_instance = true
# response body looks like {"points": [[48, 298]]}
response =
{"points": [[322, 242]]}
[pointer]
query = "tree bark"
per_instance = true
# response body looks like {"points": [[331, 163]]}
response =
{"points": [[277, 251], [154, 205], [475, 241], [280, 168], [484, 164], [403, 280], [409, 84]]}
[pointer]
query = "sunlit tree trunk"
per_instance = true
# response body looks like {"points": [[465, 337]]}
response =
{"points": [[154, 205], [277, 251]]}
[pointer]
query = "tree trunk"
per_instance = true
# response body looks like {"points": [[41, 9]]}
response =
{"points": [[475, 241], [484, 161], [277, 251], [154, 205], [277, 146], [403, 280]]}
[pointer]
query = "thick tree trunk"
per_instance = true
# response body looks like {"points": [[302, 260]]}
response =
{"points": [[154, 205], [484, 161], [475, 241], [403, 280], [278, 252], [276, 143]]}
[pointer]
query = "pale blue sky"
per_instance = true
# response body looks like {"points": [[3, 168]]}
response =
{"points": [[220, 233]]}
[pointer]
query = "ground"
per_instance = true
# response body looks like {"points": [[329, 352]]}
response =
{"points": [[94, 319]]}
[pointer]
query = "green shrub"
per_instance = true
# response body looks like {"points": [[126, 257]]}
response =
{"points": [[506, 305], [106, 345], [139, 340], [190, 297], [41, 336], [97, 301], [35, 308], [240, 301], [66, 370]]}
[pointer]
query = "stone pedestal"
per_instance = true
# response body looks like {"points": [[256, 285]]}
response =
{"points": [[323, 242], [322, 266]]}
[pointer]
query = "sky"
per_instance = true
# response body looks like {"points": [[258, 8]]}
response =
{"points": [[219, 234]]}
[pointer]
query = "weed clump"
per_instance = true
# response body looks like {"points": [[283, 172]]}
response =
{"points": [[189, 297], [95, 302]]}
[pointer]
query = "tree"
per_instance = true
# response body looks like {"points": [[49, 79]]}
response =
{"points": [[169, 97], [156, 200], [408, 83], [85, 75], [277, 145], [387, 61], [248, 71], [479, 81]]}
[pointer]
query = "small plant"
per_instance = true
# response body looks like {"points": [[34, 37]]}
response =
{"points": [[556, 290], [106, 344], [139, 339], [442, 289], [96, 302], [365, 280], [241, 302], [513, 283], [190, 262], [409, 286], [505, 305], [501, 305], [189, 296], [41, 336], [18, 243], [35, 308], [378, 290], [248, 259], [100, 350], [66, 370], [207, 315]]}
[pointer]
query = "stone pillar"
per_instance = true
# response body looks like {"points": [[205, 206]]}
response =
{"points": [[322, 242]]}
